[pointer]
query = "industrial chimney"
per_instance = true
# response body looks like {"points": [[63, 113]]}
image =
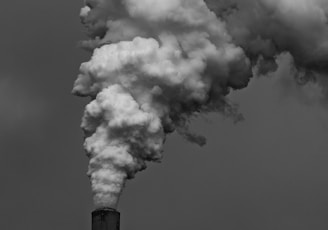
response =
{"points": [[105, 219]]}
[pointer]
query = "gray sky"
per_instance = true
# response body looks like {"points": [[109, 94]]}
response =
{"points": [[268, 172]]}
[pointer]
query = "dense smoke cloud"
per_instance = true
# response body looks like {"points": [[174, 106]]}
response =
{"points": [[156, 64]]}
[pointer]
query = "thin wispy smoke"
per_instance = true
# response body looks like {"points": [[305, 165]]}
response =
{"points": [[156, 64], [267, 28]]}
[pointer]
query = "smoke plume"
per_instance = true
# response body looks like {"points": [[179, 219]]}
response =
{"points": [[156, 64]]}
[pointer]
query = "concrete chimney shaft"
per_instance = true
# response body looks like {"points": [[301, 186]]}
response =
{"points": [[105, 219]]}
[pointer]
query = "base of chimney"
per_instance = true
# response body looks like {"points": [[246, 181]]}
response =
{"points": [[105, 219]]}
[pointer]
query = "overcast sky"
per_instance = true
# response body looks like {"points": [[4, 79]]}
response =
{"points": [[268, 172]]}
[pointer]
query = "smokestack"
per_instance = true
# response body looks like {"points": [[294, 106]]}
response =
{"points": [[105, 219]]}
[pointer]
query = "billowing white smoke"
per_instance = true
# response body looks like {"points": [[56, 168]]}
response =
{"points": [[156, 63]]}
